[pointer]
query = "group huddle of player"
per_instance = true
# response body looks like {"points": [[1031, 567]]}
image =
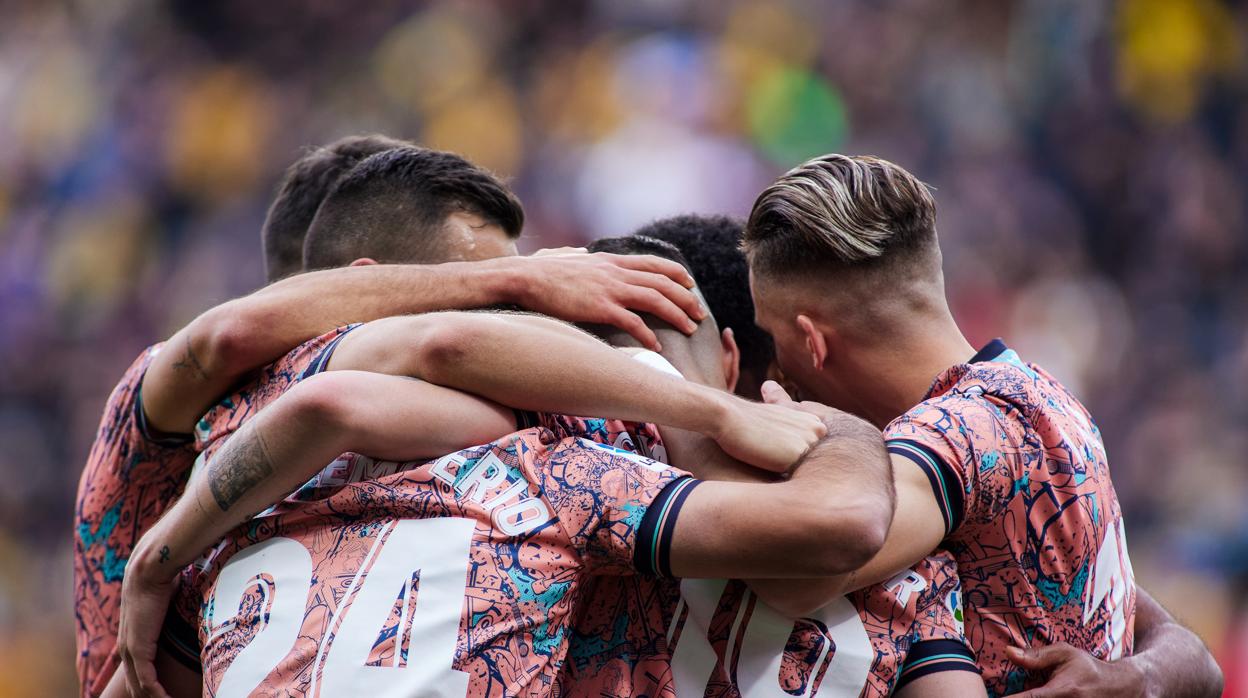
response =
{"points": [[417, 464]]}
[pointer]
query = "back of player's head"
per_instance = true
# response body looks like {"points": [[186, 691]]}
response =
{"points": [[697, 356], [840, 217], [304, 186], [712, 246], [394, 207]]}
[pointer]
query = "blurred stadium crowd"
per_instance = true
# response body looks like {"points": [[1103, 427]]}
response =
{"points": [[1090, 163]]}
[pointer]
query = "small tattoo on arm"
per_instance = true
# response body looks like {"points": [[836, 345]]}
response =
{"points": [[242, 464], [164, 554], [190, 362]]}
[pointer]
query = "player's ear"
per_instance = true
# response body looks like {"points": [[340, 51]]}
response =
{"points": [[731, 358], [363, 262], [816, 342]]}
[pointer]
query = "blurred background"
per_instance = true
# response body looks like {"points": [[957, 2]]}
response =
{"points": [[1089, 159]]}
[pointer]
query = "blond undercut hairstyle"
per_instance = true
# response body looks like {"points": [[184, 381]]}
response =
{"points": [[843, 213]]}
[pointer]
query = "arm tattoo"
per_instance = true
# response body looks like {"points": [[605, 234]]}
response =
{"points": [[239, 466], [190, 362]]}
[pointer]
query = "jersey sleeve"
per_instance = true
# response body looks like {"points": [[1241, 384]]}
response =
{"points": [[137, 452], [938, 437], [938, 641], [618, 508], [273, 380]]}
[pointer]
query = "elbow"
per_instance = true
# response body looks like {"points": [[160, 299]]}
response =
{"points": [[1215, 680], [227, 340], [801, 603], [445, 343], [323, 402], [850, 538]]}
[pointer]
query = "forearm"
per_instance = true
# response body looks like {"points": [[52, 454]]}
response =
{"points": [[533, 363], [203, 360], [294, 438], [1172, 659], [241, 479], [829, 518]]}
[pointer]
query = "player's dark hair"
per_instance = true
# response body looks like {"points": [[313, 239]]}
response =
{"points": [[392, 207], [712, 246], [302, 189], [641, 244]]}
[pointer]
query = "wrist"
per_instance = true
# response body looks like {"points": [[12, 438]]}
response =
{"points": [[502, 280], [707, 411], [1136, 669], [150, 563]]}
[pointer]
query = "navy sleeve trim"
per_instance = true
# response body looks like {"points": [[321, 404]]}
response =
{"points": [[322, 360], [940, 474], [933, 657], [179, 639], [653, 551], [159, 438]]}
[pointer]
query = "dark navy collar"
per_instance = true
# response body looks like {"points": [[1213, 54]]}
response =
{"points": [[990, 351]]}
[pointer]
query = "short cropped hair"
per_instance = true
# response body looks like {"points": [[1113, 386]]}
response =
{"points": [[712, 245], [393, 206], [300, 193], [839, 211], [641, 244]]}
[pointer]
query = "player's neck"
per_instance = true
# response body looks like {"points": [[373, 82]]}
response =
{"points": [[913, 360]]}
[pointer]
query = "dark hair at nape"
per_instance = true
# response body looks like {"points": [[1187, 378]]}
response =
{"points": [[712, 247], [303, 187], [392, 207], [640, 244]]}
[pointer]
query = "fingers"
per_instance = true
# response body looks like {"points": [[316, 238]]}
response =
{"points": [[635, 326], [656, 265], [644, 299], [672, 291], [1041, 658], [773, 394]]}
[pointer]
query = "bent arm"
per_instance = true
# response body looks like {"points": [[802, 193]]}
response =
{"points": [[1173, 659], [208, 356], [831, 516], [204, 359], [283, 446], [537, 363]]}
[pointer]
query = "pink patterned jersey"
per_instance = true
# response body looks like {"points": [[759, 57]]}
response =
{"points": [[273, 380], [1022, 478], [455, 577], [643, 636], [130, 479]]}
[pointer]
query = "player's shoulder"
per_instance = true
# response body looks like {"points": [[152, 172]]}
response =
{"points": [[267, 384], [950, 413]]}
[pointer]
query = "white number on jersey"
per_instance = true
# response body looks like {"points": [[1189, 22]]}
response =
{"points": [[436, 549], [762, 646], [1112, 579]]}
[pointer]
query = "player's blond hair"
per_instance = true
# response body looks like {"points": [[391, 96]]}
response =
{"points": [[839, 210]]}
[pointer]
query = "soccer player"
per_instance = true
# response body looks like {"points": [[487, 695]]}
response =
{"points": [[545, 515], [993, 458], [1168, 659], [640, 636], [141, 456]]}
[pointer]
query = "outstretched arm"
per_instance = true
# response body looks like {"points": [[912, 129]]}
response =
{"points": [[280, 448], [536, 363], [1169, 660], [204, 359]]}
